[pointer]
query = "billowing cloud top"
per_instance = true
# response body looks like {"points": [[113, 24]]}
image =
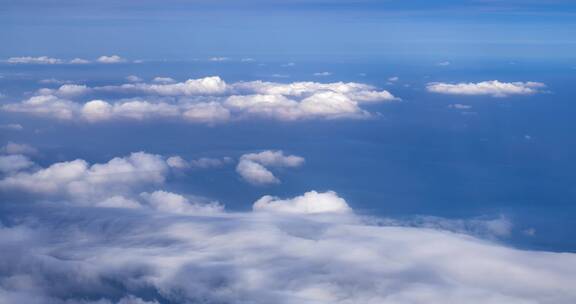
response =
{"points": [[206, 100], [493, 88], [309, 203], [253, 167]]}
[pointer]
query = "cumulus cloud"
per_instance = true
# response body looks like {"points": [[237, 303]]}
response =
{"points": [[34, 60], [309, 202], [78, 179], [493, 88], [207, 100], [253, 167], [111, 59]]}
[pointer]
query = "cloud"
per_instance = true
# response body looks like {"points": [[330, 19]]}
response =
{"points": [[34, 60], [134, 78], [218, 59], [117, 241], [460, 106], [81, 255], [79, 180], [13, 127], [208, 162], [443, 63], [253, 167], [207, 100], [111, 59], [309, 202], [15, 148], [321, 74], [14, 163], [163, 80], [393, 78], [79, 61], [493, 88]]}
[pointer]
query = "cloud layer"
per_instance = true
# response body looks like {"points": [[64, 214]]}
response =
{"points": [[108, 236], [205, 100], [493, 88]]}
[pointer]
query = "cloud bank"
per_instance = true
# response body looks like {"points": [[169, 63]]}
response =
{"points": [[207, 100], [492, 88], [139, 245]]}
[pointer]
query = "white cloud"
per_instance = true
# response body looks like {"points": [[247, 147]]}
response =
{"points": [[134, 78], [321, 74], [247, 60], [13, 127], [14, 163], [208, 162], [443, 63], [208, 100], [70, 256], [16, 148], [176, 203], [393, 78], [460, 106], [79, 180], [111, 59], [252, 167], [34, 60], [163, 80], [309, 202], [493, 88], [218, 58], [177, 162], [79, 61]]}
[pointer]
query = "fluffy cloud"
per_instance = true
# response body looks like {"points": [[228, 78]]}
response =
{"points": [[207, 100], [111, 59], [253, 167], [34, 60], [493, 88], [79, 180], [310, 202]]}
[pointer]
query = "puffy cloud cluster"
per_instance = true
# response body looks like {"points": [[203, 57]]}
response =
{"points": [[253, 167], [116, 183], [493, 88], [206, 100]]}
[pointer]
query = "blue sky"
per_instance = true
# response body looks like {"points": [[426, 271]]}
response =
{"points": [[316, 151]]}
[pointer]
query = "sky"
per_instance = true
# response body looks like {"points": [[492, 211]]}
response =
{"points": [[309, 151]]}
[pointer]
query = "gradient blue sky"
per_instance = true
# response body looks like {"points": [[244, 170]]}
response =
{"points": [[300, 29]]}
